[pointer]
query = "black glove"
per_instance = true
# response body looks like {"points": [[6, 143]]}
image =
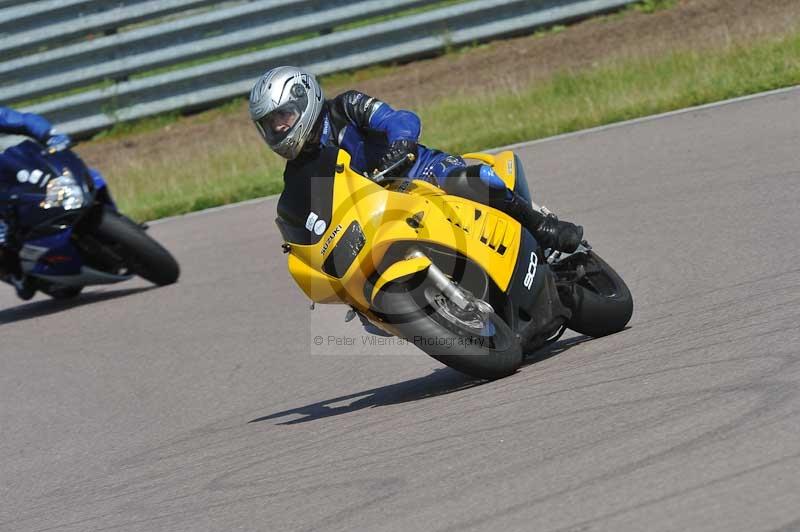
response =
{"points": [[398, 150]]}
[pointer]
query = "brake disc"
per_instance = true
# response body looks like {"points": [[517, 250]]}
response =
{"points": [[474, 320]]}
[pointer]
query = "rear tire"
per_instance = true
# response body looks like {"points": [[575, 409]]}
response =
{"points": [[602, 303], [484, 357], [143, 255]]}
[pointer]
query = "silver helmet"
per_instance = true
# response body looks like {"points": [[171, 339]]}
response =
{"points": [[284, 104]]}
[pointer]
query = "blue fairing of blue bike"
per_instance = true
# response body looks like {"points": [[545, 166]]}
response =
{"points": [[48, 250], [99, 181], [61, 258], [29, 155], [101, 188]]}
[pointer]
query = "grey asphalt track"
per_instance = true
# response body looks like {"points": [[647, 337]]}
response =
{"points": [[207, 406]]}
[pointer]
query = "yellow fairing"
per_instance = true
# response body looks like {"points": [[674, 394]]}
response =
{"points": [[318, 287], [406, 211], [398, 270]]}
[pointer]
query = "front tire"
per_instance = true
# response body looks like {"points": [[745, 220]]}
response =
{"points": [[490, 356], [143, 255], [64, 292]]}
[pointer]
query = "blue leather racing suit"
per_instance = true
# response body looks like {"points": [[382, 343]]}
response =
{"points": [[365, 126], [28, 124]]}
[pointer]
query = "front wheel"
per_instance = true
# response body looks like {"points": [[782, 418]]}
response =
{"points": [[63, 292], [601, 302], [479, 343], [142, 255]]}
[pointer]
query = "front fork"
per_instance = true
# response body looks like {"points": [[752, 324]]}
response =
{"points": [[461, 298]]}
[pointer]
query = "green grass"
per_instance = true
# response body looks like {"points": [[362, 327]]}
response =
{"points": [[207, 173], [651, 6], [238, 168], [615, 92], [122, 129]]}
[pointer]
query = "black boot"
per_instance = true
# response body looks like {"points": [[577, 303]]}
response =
{"points": [[548, 230], [25, 285]]}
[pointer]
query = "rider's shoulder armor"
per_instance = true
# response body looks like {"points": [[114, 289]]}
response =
{"points": [[352, 107]]}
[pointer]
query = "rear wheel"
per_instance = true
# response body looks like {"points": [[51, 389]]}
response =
{"points": [[142, 255], [601, 302], [476, 342]]}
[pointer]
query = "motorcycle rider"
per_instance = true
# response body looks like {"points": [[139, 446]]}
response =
{"points": [[32, 125], [297, 122]]}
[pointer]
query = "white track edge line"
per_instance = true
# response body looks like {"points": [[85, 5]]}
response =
{"points": [[648, 118]]}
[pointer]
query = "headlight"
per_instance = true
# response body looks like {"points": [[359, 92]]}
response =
{"points": [[64, 192]]}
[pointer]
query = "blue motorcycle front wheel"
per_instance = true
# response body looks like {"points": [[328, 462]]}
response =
{"points": [[142, 254], [63, 292]]}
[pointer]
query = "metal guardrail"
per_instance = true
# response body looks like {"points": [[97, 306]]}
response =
{"points": [[118, 56], [16, 17], [74, 27], [231, 29]]}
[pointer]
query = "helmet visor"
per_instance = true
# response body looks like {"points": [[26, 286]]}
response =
{"points": [[277, 124]]}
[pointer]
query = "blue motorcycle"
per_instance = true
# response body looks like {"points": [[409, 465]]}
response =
{"points": [[61, 231]]}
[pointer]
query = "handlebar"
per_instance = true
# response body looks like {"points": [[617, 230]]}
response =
{"points": [[378, 177]]}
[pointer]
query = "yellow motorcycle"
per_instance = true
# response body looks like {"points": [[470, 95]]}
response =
{"points": [[464, 282]]}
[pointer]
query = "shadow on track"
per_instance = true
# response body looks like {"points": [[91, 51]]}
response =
{"points": [[442, 381], [554, 349], [44, 307]]}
